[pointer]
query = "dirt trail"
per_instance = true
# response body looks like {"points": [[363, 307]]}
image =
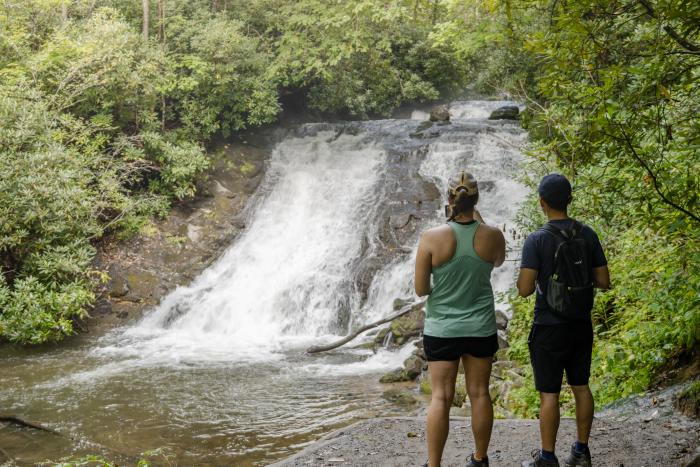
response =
{"points": [[401, 442]]}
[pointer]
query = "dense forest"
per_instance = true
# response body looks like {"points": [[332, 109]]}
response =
{"points": [[107, 108]]}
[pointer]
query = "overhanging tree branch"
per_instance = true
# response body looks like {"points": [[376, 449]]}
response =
{"points": [[628, 142], [680, 40]]}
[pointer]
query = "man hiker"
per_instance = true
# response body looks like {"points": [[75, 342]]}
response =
{"points": [[562, 261]]}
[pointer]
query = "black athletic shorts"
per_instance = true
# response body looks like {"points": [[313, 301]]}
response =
{"points": [[452, 348], [559, 348]]}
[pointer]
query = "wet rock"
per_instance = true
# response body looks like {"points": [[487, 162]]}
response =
{"points": [[688, 400], [486, 185], [400, 303], [142, 284], [252, 184], [423, 126], [117, 285], [425, 134], [440, 114], [122, 310], [380, 337], [238, 223], [502, 339], [220, 189], [507, 112], [414, 366], [431, 192], [407, 326], [193, 233], [399, 397], [693, 460], [420, 353], [460, 393], [396, 376], [102, 307], [399, 221], [501, 320]]}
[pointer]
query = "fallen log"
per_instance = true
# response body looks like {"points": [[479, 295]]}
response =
{"points": [[17, 420], [10, 418], [403, 311]]}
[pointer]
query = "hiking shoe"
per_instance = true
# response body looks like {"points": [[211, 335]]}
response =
{"points": [[475, 463], [578, 459], [537, 461]]}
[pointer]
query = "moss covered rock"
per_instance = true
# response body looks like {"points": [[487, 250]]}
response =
{"points": [[399, 397], [688, 400]]}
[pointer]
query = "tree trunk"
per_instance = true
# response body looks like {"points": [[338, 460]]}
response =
{"points": [[435, 9], [146, 16], [161, 20]]}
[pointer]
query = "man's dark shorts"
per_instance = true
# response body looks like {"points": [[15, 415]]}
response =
{"points": [[557, 348], [452, 348]]}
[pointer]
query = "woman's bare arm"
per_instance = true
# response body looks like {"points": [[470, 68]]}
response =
{"points": [[423, 267]]}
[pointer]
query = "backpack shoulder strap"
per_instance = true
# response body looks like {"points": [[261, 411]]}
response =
{"points": [[564, 234]]}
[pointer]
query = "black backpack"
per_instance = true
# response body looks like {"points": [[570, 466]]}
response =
{"points": [[570, 287]]}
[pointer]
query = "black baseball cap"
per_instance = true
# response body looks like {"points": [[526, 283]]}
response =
{"points": [[555, 189]]}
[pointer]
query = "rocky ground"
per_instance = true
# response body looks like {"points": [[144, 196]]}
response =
{"points": [[631, 442]]}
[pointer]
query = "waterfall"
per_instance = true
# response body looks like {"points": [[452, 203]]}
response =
{"points": [[315, 259]]}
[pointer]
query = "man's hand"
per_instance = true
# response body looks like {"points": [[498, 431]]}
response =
{"points": [[601, 277], [526, 281]]}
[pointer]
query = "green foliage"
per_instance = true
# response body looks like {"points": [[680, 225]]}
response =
{"points": [[616, 99], [160, 456], [103, 128]]}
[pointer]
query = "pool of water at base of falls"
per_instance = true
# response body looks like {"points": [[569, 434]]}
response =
{"points": [[223, 413], [216, 374]]}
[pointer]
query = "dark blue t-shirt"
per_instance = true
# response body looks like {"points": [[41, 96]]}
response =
{"points": [[538, 253]]}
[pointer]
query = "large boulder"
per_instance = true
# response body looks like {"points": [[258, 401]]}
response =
{"points": [[440, 114], [407, 326], [507, 112], [501, 319], [396, 376]]}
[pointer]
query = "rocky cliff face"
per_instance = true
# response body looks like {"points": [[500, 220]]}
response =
{"points": [[172, 251]]}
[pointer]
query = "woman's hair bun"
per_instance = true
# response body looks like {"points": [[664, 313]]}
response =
{"points": [[462, 193]]}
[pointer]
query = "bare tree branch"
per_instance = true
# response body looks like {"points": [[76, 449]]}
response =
{"points": [[403, 311]]}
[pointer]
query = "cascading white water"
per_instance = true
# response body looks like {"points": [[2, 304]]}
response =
{"points": [[287, 277], [493, 157]]}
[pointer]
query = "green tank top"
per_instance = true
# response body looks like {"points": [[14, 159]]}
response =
{"points": [[461, 303]]}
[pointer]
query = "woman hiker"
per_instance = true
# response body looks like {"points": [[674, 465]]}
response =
{"points": [[460, 321]]}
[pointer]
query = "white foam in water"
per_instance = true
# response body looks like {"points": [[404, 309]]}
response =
{"points": [[420, 115], [381, 361], [470, 110]]}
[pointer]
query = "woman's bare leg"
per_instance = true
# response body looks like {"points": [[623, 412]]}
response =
{"points": [[477, 373], [442, 380]]}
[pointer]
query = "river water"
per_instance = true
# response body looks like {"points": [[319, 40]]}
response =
{"points": [[216, 372]]}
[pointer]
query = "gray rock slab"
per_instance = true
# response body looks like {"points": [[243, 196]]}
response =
{"points": [[401, 442]]}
